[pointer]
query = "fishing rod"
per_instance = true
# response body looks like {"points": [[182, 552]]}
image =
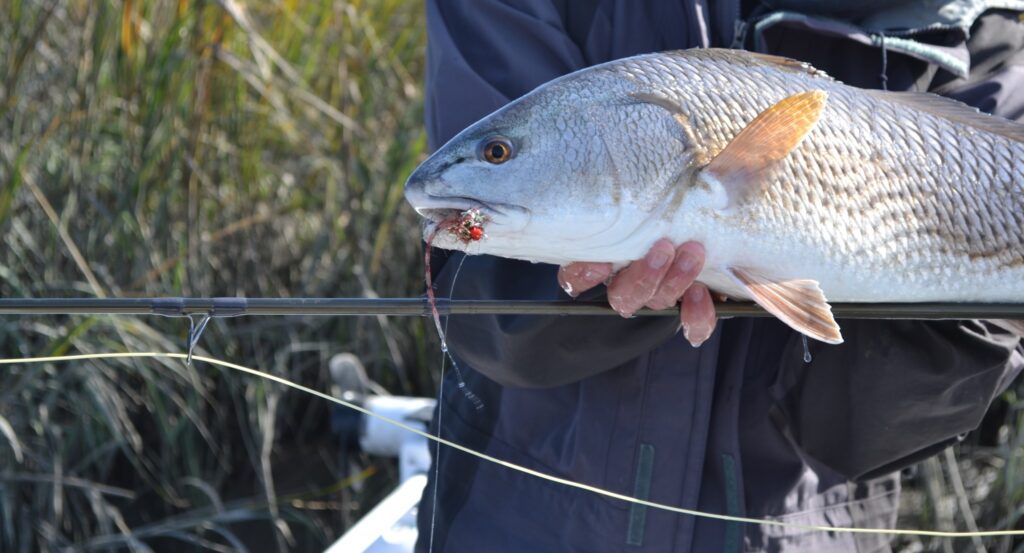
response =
{"points": [[237, 307]]}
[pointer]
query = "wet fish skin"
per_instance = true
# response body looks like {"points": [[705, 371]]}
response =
{"points": [[887, 197]]}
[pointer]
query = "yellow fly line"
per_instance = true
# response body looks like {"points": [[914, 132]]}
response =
{"points": [[513, 466]]}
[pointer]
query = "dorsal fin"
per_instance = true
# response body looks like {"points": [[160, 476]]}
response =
{"points": [[952, 110], [754, 59], [788, 63]]}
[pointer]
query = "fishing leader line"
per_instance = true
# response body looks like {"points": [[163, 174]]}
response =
{"points": [[513, 466], [432, 301], [445, 355], [442, 334]]}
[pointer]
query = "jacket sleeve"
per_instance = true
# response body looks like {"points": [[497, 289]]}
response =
{"points": [[894, 392], [481, 54], [899, 391]]}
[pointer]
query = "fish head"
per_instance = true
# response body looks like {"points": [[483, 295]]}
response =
{"points": [[554, 175]]}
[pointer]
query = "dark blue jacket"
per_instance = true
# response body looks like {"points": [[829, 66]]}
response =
{"points": [[741, 425]]}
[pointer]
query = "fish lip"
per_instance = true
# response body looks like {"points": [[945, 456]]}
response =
{"points": [[440, 208]]}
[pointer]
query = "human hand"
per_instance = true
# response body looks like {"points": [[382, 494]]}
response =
{"points": [[664, 277]]}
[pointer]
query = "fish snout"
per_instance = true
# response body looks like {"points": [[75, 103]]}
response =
{"points": [[416, 184], [431, 206], [426, 183], [430, 172], [440, 208], [437, 200], [415, 187], [421, 189]]}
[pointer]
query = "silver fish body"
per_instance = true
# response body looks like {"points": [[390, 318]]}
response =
{"points": [[887, 197]]}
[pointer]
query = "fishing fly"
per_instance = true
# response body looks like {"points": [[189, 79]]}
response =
{"points": [[468, 226]]}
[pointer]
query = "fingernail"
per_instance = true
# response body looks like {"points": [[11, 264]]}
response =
{"points": [[618, 302], [562, 282], [696, 336], [686, 262], [568, 289], [707, 333], [657, 259]]}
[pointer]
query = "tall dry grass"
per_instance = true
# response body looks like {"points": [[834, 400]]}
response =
{"points": [[191, 147], [207, 148]]}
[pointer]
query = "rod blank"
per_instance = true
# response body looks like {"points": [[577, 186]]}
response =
{"points": [[234, 307]]}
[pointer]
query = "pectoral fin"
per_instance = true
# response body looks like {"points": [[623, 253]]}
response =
{"points": [[743, 166], [798, 303]]}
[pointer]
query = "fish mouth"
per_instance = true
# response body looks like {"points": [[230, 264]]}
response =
{"points": [[450, 207], [445, 208]]}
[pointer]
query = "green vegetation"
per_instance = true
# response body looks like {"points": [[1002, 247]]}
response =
{"points": [[201, 147]]}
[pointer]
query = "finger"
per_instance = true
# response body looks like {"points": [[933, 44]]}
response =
{"points": [[633, 286], [576, 278], [688, 262], [697, 314]]}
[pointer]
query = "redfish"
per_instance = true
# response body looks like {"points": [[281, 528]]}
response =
{"points": [[801, 188]]}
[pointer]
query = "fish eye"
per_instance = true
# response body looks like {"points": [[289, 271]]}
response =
{"points": [[497, 150]]}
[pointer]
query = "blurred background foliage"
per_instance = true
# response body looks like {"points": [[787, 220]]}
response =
{"points": [[206, 148], [258, 148]]}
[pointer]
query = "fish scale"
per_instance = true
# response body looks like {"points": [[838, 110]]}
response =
{"points": [[870, 196], [906, 177]]}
